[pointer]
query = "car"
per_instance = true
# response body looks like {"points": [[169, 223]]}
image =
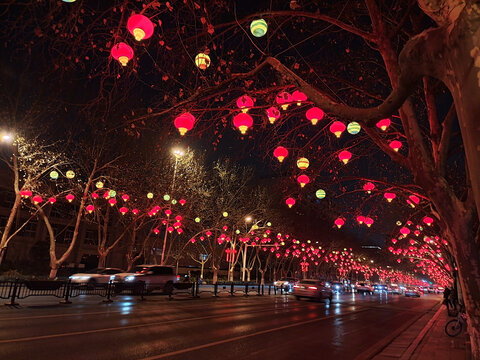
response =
{"points": [[312, 289], [364, 288], [395, 289], [95, 277], [286, 283], [154, 277], [379, 288], [337, 287], [412, 292]]}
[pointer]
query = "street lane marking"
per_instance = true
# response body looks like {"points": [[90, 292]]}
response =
{"points": [[156, 323], [240, 337]]}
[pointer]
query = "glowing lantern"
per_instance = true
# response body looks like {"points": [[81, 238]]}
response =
{"points": [[69, 1], [345, 156], [25, 193], [395, 145], [280, 153], [202, 61], [244, 103], [404, 231], [168, 212], [90, 208], [394, 241], [135, 211], [156, 231], [170, 229], [225, 214], [368, 221], [414, 200], [339, 222], [389, 196], [123, 210], [314, 115], [125, 197], [182, 202], [99, 185], [353, 128], [242, 122], [112, 201], [178, 218], [368, 187], [303, 163], [53, 175], [140, 27], [112, 193], [290, 202], [94, 196], [197, 219], [284, 99], [320, 193], [273, 114], [70, 174], [122, 52], [258, 27], [70, 197], [383, 124], [184, 122], [303, 180], [428, 220], [337, 128], [149, 195], [37, 199], [299, 97], [166, 197], [360, 219]]}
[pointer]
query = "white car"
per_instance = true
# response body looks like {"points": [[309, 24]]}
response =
{"points": [[286, 283], [154, 277], [364, 288], [94, 277]]}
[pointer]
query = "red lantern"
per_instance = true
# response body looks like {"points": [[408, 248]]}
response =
{"points": [[299, 97], [37, 199], [182, 202], [70, 197], [360, 219], [170, 229], [404, 231], [389, 196], [290, 202], [156, 231], [135, 211], [52, 200], [140, 27], [90, 208], [168, 212], [280, 153], [122, 52], [123, 210], [337, 128], [368, 221], [112, 201], [428, 220], [284, 99], [414, 200], [339, 222], [273, 114], [368, 187], [184, 122], [94, 196], [303, 180], [244, 103], [345, 156], [395, 145], [383, 124], [314, 115], [242, 122], [125, 197], [25, 193]]}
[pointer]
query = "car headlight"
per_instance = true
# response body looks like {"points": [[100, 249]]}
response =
{"points": [[130, 278], [78, 277], [285, 283], [112, 277]]}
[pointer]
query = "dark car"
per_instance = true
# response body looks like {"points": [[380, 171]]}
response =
{"points": [[312, 289]]}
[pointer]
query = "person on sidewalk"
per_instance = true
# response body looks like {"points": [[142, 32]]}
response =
{"points": [[446, 298]]}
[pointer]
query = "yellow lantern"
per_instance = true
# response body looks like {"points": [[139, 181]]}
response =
{"points": [[70, 174], [202, 61], [258, 27], [303, 163], [99, 185], [150, 195]]}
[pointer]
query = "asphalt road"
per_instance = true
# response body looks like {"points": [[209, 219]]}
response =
{"points": [[255, 327]]}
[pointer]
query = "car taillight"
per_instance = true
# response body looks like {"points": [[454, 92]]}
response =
{"points": [[312, 287], [178, 277]]}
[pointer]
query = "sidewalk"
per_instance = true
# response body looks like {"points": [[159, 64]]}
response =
{"points": [[425, 339]]}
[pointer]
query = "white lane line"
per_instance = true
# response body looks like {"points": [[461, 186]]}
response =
{"points": [[156, 323], [240, 337]]}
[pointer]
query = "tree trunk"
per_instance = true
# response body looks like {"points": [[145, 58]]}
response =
{"points": [[8, 226], [53, 273], [248, 273], [102, 257], [262, 281], [215, 274]]}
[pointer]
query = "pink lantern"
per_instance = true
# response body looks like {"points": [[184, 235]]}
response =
{"points": [[368, 221], [314, 114], [280, 153], [284, 99], [184, 123], [413, 200], [244, 103], [90, 208], [404, 231], [273, 114], [339, 222], [156, 231], [383, 124], [242, 122], [123, 210], [182, 202], [428, 220], [170, 229], [337, 128], [299, 97], [112, 201], [303, 180], [389, 196], [345, 156], [368, 187], [37, 199], [168, 212], [360, 219], [122, 52], [140, 27], [25, 193], [135, 211], [290, 202], [125, 197], [395, 145], [52, 200], [94, 195], [70, 197]]}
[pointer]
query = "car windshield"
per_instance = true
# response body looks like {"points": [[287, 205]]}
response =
{"points": [[141, 269]]}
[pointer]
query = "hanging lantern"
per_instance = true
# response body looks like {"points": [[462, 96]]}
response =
{"points": [[368, 187], [353, 128], [404, 231], [166, 197], [112, 201], [244, 103], [37, 199], [360, 219], [135, 211], [123, 210], [428, 220], [122, 52], [112, 193], [53, 175], [280, 153], [90, 208], [339, 222], [314, 114], [52, 200], [184, 122], [70, 197], [290, 202], [303, 180], [258, 27], [125, 197], [395, 145], [140, 27], [389, 196], [70, 174], [94, 195], [337, 128], [202, 61], [273, 114], [182, 202], [25, 193], [197, 219], [383, 124], [99, 185], [242, 122], [284, 99], [225, 214], [168, 212], [150, 195], [299, 97], [368, 221], [413, 200], [320, 194], [345, 156], [303, 163]]}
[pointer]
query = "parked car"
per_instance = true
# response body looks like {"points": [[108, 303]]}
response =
{"points": [[286, 283], [154, 277], [312, 289], [364, 288], [412, 292], [94, 277], [379, 288], [337, 287]]}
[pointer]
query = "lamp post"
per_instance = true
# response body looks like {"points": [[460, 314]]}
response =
{"points": [[248, 219]]}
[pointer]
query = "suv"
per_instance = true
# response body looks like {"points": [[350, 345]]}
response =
{"points": [[155, 277]]}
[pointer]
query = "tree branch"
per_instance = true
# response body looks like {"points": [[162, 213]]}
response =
{"points": [[445, 139]]}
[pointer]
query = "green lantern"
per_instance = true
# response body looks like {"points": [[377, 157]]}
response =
{"points": [[166, 197], [269, 223], [353, 128], [197, 219], [320, 193], [174, 201], [53, 175], [112, 193], [258, 27], [237, 231]]}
